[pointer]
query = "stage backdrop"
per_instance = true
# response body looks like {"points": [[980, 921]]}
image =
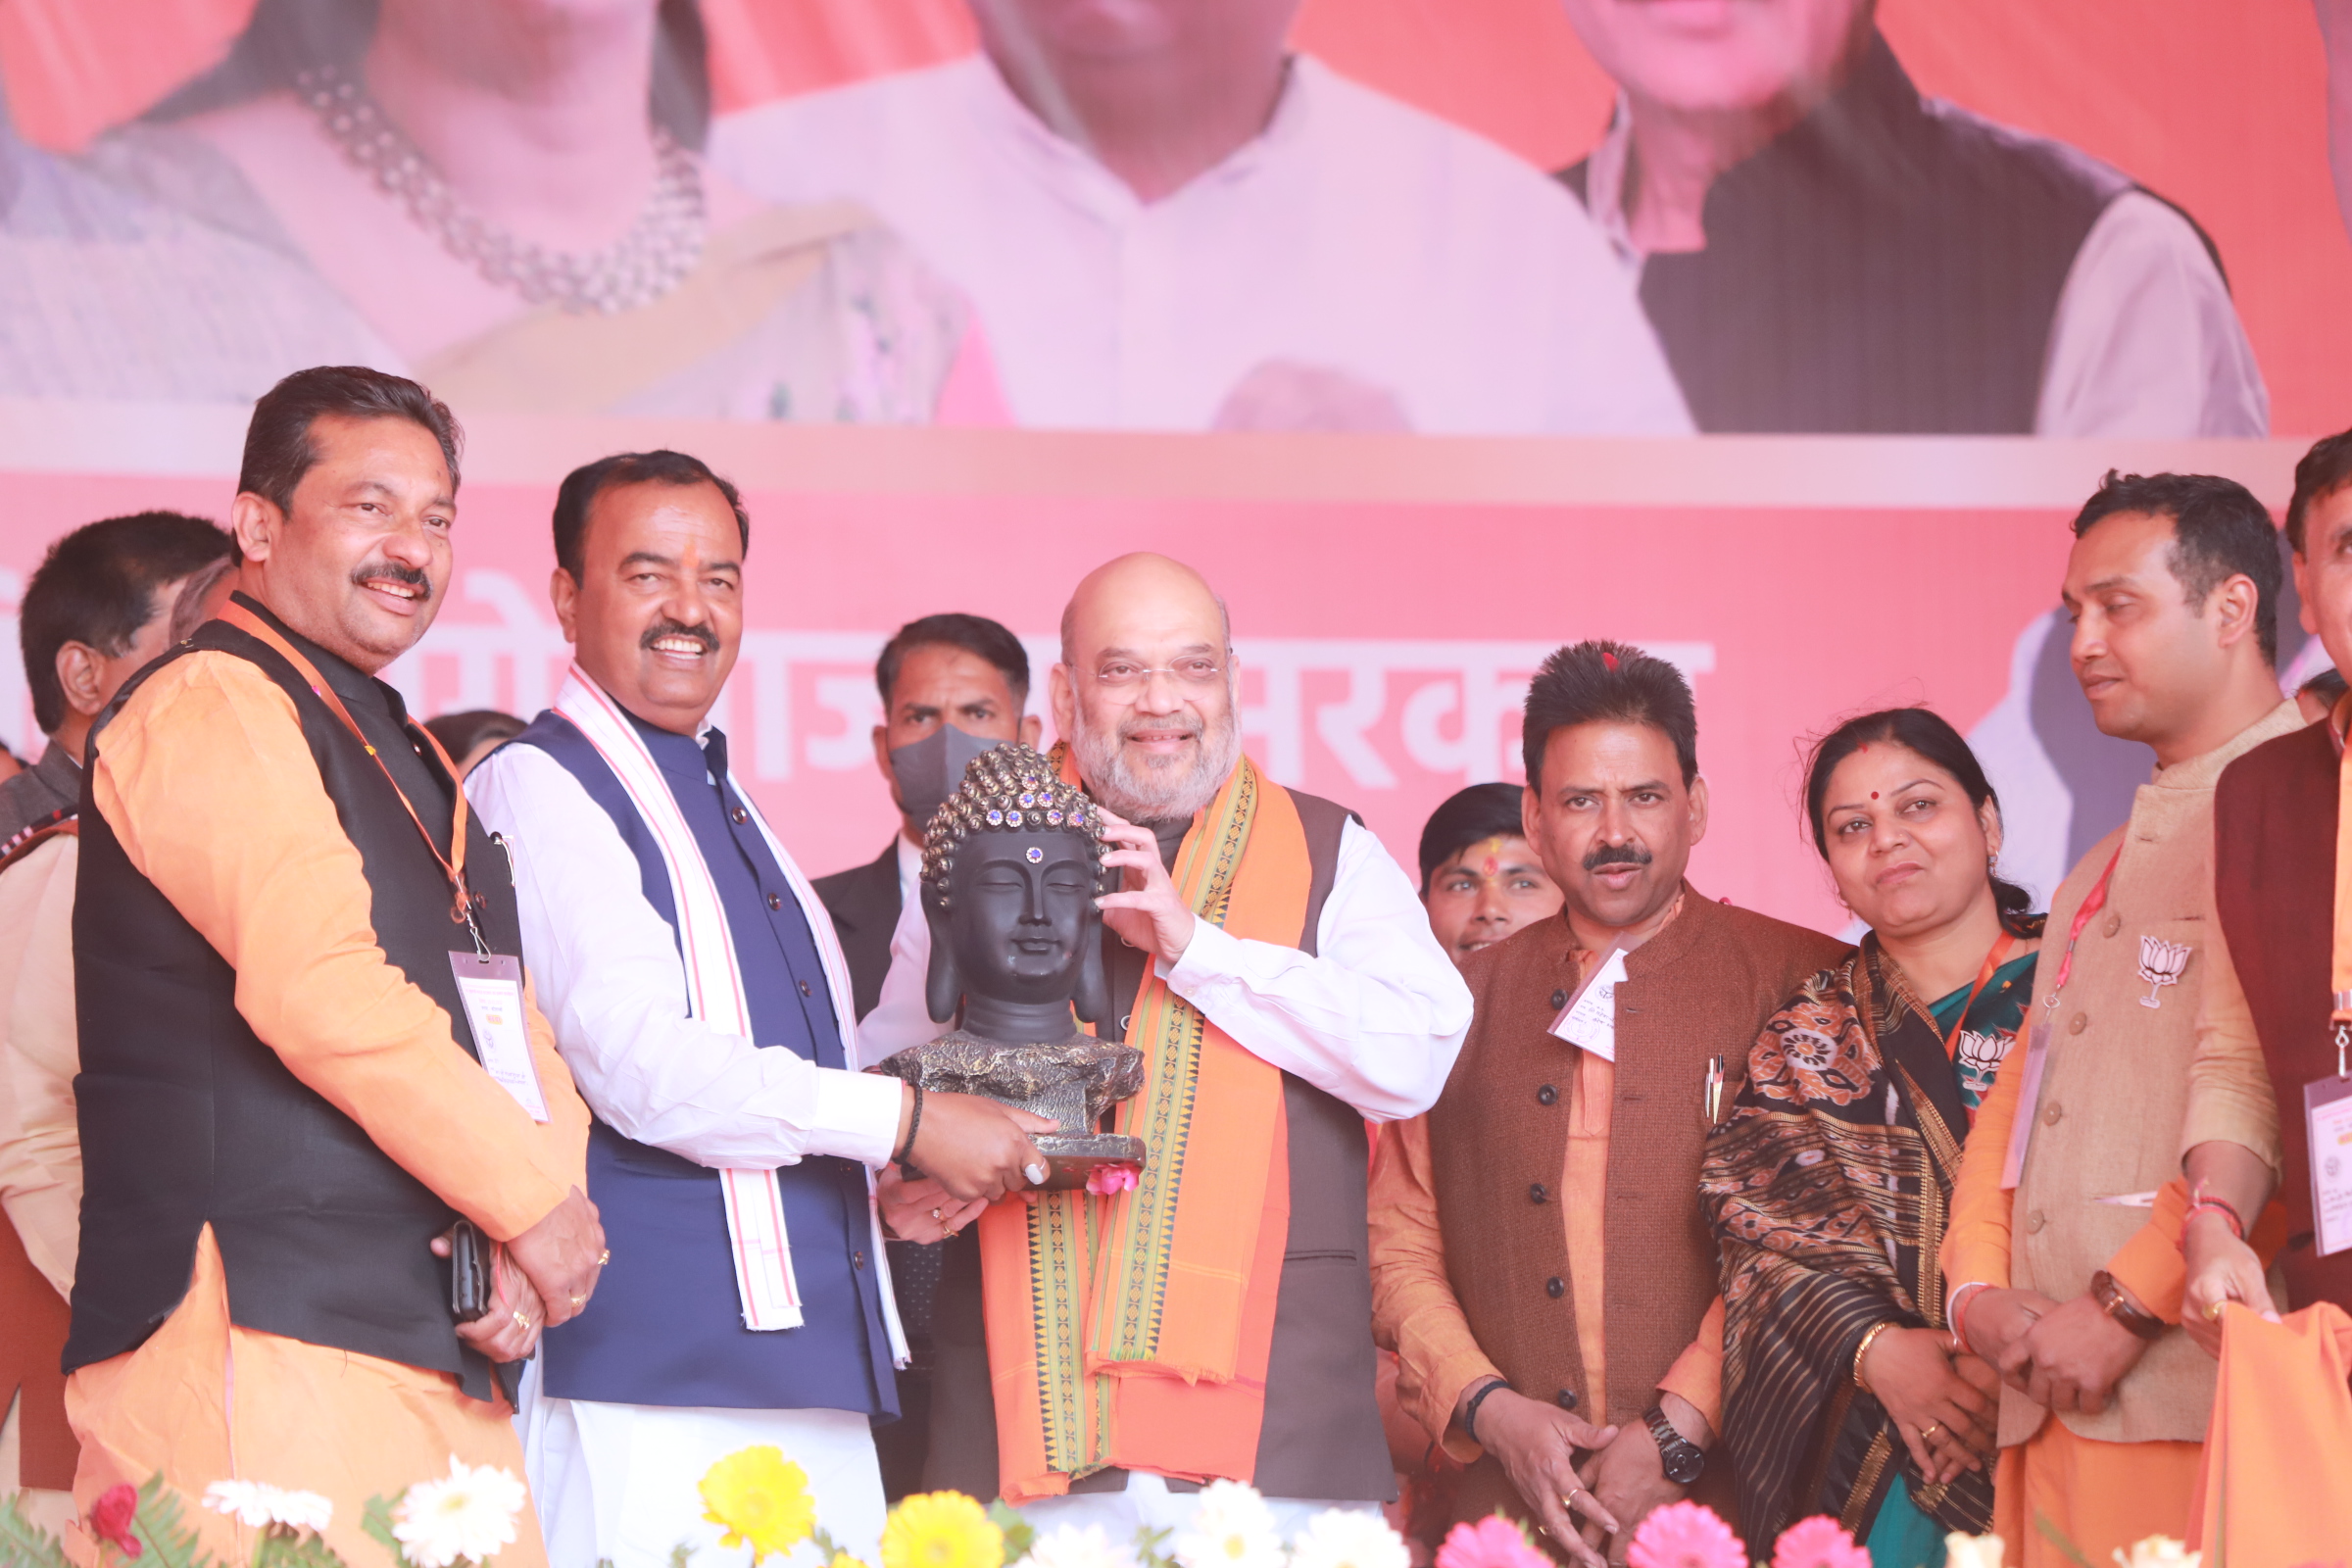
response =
{"points": [[1389, 597]]}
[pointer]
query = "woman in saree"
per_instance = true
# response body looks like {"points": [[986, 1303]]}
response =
{"points": [[1829, 1183]]}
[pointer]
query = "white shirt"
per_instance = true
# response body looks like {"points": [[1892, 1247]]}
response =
{"points": [[1353, 235], [2145, 343], [1375, 1019], [902, 1017], [605, 967]]}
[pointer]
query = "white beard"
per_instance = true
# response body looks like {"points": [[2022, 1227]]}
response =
{"points": [[1165, 791]]}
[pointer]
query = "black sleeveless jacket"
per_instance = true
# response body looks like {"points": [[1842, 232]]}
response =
{"points": [[1889, 265], [188, 1119]]}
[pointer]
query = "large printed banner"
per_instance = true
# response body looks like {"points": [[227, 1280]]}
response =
{"points": [[1389, 598], [2105, 219]]}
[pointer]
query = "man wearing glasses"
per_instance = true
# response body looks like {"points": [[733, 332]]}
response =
{"points": [[1272, 960]]}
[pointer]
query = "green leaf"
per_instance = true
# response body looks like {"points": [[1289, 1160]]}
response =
{"points": [[679, 1553], [158, 1522], [23, 1543], [284, 1549], [377, 1519], [1150, 1549], [1019, 1534], [2057, 1538]]}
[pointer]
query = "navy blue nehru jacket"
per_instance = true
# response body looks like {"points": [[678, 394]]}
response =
{"points": [[665, 1325]]}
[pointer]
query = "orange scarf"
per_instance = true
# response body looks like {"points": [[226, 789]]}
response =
{"points": [[1133, 1331]]}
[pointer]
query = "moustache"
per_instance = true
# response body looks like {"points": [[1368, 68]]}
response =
{"points": [[1190, 728], [394, 571], [1601, 856], [672, 628]]}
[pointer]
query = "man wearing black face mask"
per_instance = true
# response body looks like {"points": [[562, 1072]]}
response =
{"points": [[952, 685]]}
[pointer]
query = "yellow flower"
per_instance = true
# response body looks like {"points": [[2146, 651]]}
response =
{"points": [[762, 1499], [941, 1530]]}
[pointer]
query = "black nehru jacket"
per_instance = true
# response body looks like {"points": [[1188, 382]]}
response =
{"points": [[1887, 265], [188, 1120], [864, 901]]}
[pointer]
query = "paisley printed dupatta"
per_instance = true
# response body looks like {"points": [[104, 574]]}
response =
{"points": [[1134, 1330], [1829, 1188]]}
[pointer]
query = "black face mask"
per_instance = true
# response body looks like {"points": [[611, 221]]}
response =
{"points": [[930, 770]]}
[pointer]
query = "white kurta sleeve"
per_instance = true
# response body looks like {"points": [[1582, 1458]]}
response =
{"points": [[2146, 343], [609, 977], [1376, 1018]]}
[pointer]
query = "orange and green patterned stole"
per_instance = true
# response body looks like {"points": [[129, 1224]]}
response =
{"points": [[1134, 1330]]}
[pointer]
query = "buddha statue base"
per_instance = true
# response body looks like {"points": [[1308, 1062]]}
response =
{"points": [[1074, 1081]]}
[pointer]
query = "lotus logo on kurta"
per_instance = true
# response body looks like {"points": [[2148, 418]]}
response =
{"points": [[2160, 965]]}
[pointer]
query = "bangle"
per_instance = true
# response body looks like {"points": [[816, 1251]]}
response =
{"points": [[1470, 1414], [1863, 1350], [2214, 1206], [2113, 1301], [912, 1122], [1958, 1313]]}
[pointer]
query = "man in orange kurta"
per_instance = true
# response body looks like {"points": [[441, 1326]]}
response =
{"points": [[284, 1104]]}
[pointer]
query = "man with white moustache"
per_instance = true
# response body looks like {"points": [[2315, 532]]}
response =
{"points": [[1168, 219], [700, 996], [1272, 960]]}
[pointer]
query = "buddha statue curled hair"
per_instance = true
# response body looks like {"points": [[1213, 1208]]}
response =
{"points": [[1009, 789]]}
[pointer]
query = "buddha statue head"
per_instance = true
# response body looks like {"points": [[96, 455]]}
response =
{"points": [[1011, 867]]}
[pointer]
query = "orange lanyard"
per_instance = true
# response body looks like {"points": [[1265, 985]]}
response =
{"points": [[1992, 961], [453, 864], [2091, 905]]}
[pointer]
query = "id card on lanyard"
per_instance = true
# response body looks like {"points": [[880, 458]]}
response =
{"points": [[2328, 1102], [2037, 1044]]}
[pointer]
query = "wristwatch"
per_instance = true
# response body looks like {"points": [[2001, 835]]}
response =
{"points": [[1684, 1459]]}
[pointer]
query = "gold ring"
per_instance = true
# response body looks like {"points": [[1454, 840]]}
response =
{"points": [[604, 1257], [1929, 1430], [1568, 1498], [580, 1301], [522, 1322], [2212, 1311], [937, 1215]]}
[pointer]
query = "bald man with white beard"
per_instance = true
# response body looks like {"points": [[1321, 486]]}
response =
{"points": [[1271, 958]]}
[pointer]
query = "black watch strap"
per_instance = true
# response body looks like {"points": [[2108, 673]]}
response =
{"points": [[1684, 1459], [1470, 1411]]}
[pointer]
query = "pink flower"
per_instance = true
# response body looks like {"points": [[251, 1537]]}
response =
{"points": [[1493, 1541], [1104, 1180], [1685, 1535], [111, 1518], [1818, 1543]]}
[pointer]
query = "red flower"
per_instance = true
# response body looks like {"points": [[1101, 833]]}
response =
{"points": [[111, 1518]]}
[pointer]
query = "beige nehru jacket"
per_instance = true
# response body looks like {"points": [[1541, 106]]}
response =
{"points": [[40, 1142], [2114, 1091]]}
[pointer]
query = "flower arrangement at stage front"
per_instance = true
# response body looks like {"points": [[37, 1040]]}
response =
{"points": [[460, 1520]]}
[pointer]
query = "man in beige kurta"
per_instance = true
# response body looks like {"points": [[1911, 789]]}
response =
{"points": [[2068, 1276]]}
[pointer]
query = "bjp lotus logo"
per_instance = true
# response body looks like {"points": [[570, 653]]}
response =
{"points": [[2160, 965]]}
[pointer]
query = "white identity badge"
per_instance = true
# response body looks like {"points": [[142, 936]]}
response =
{"points": [[1590, 1020], [492, 989], [2328, 1112], [2028, 1097]]}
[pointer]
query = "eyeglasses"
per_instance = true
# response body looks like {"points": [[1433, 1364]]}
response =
{"points": [[1196, 674]]}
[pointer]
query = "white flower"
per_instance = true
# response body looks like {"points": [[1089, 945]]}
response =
{"points": [[1231, 1528], [259, 1506], [1339, 1538], [466, 1517], [1070, 1547], [1972, 1552], [2159, 1552]]}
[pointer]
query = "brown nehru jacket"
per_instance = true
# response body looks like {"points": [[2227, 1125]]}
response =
{"points": [[1699, 988], [2274, 888]]}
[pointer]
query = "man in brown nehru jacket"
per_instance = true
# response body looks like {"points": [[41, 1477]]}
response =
{"points": [[1539, 1261], [2266, 1029]]}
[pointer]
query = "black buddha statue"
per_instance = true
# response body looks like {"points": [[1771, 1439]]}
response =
{"points": [[1011, 867]]}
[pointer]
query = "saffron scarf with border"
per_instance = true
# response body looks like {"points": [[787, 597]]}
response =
{"points": [[769, 1293], [1827, 1188], [1134, 1330]]}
